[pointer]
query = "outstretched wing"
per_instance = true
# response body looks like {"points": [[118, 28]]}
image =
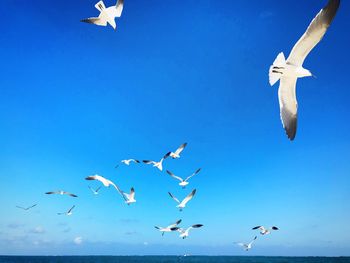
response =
{"points": [[189, 197], [314, 33], [116, 11], [288, 105], [95, 20], [196, 172], [100, 6], [175, 224], [70, 210], [148, 162], [181, 148], [173, 197], [174, 176]]}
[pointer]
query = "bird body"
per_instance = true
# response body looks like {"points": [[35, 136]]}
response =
{"points": [[69, 212], [183, 182], [248, 246], [168, 228], [264, 230], [181, 205], [159, 164], [184, 233], [128, 161], [176, 154]]}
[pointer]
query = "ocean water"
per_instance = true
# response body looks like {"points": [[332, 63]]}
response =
{"points": [[170, 259]]}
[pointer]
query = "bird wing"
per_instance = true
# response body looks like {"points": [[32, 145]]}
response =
{"points": [[98, 189], [240, 244], [20, 207], [196, 172], [288, 105], [173, 197], [194, 226], [70, 194], [32, 206], [253, 240], [70, 210], [314, 33], [174, 176], [274, 228], [181, 148], [51, 193], [149, 162], [116, 11], [257, 227], [175, 224], [189, 197], [95, 20]]}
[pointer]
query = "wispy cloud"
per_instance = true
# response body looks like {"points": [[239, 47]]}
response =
{"points": [[15, 225], [78, 240], [37, 230]]}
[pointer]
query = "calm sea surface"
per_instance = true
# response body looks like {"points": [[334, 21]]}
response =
{"points": [[170, 259]]}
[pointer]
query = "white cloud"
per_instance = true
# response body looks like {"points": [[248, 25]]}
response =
{"points": [[78, 240], [38, 230]]}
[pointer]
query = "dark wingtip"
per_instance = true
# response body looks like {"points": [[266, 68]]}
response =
{"points": [[254, 228], [275, 228]]}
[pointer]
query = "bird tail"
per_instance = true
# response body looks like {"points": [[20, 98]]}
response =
{"points": [[275, 72]]}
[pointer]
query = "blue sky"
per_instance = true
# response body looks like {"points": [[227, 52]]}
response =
{"points": [[77, 98]]}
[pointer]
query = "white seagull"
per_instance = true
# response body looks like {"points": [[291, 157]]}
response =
{"points": [[183, 203], [185, 232], [60, 192], [176, 154], [247, 246], [168, 228], [26, 208], [95, 192], [265, 231], [68, 213], [288, 71], [107, 15], [128, 161], [183, 182], [129, 198], [159, 164]]}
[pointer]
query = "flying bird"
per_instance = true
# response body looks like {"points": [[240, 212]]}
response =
{"points": [[183, 203], [26, 208], [265, 231], [69, 212], [129, 198], [183, 182], [159, 164], [288, 71], [185, 232], [95, 192], [128, 161], [247, 246], [176, 154], [107, 15], [60, 192], [168, 228]]}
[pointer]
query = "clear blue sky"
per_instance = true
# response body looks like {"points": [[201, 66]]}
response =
{"points": [[76, 98]]}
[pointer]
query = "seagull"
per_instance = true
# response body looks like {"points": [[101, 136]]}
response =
{"points": [[26, 208], [159, 164], [265, 231], [288, 71], [183, 182], [176, 154], [107, 15], [95, 192], [128, 161], [183, 203], [68, 213], [168, 228], [129, 198], [247, 246], [60, 192], [185, 232]]}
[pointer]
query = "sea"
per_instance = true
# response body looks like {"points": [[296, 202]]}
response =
{"points": [[169, 259]]}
